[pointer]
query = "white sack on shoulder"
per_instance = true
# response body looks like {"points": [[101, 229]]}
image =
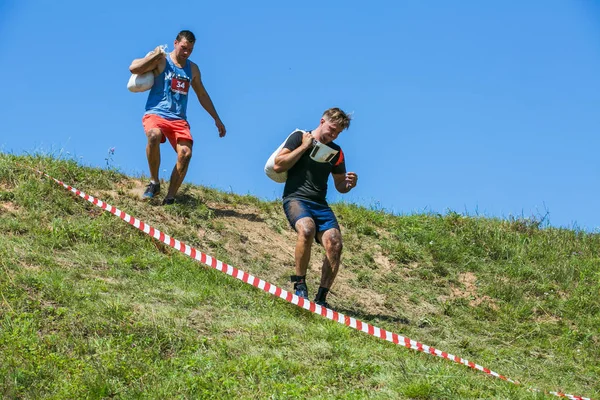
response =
{"points": [[279, 177], [141, 83]]}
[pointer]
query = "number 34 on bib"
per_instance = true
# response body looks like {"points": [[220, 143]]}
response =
{"points": [[180, 84]]}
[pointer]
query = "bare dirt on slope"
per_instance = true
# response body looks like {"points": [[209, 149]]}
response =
{"points": [[263, 245]]}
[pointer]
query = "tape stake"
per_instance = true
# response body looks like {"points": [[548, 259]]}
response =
{"points": [[289, 297]]}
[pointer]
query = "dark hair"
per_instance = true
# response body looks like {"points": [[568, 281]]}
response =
{"points": [[338, 117], [187, 35]]}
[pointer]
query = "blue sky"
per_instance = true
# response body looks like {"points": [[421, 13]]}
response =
{"points": [[486, 108]]}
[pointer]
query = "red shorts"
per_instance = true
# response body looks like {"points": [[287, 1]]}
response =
{"points": [[174, 130]]}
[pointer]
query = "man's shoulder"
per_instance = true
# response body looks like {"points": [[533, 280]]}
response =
{"points": [[334, 146], [194, 68], [294, 139], [162, 66], [193, 65]]}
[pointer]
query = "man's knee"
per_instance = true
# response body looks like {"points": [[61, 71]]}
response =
{"points": [[333, 242], [184, 154], [184, 151], [154, 135], [306, 228]]}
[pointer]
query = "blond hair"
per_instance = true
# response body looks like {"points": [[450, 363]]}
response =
{"points": [[337, 117]]}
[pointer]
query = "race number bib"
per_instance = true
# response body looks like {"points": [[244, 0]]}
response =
{"points": [[180, 84]]}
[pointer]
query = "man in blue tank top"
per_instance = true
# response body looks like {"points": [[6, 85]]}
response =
{"points": [[165, 116]]}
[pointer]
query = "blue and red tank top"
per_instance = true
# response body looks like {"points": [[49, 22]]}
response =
{"points": [[169, 94]]}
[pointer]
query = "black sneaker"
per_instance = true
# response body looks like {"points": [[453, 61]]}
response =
{"points": [[168, 200], [324, 304], [152, 190], [301, 290]]}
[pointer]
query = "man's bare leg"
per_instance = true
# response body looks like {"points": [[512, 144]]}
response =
{"points": [[184, 155], [154, 136], [332, 242], [306, 233]]}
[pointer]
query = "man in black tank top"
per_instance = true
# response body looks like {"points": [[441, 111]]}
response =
{"points": [[309, 158]]}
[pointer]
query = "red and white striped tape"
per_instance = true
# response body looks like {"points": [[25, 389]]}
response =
{"points": [[290, 297]]}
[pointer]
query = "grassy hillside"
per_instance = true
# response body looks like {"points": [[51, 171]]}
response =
{"points": [[90, 307]]}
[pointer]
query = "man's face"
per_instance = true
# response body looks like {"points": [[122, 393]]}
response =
{"points": [[183, 48], [329, 131]]}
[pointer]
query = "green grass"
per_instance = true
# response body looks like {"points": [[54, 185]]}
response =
{"points": [[90, 307]]}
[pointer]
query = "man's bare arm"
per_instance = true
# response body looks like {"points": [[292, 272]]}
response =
{"points": [[287, 158], [205, 100], [345, 182], [148, 63]]}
